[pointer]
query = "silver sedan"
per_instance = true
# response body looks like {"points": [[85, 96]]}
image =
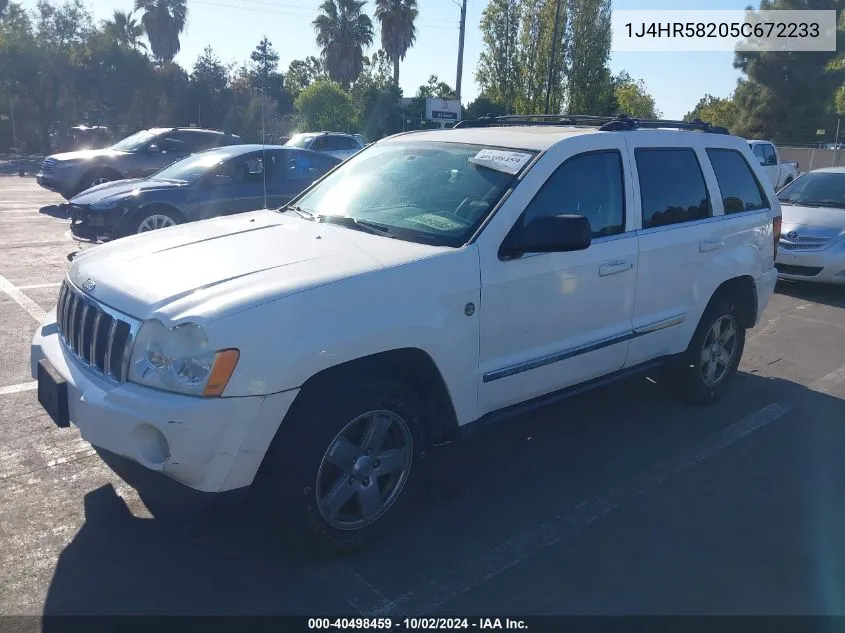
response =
{"points": [[812, 242]]}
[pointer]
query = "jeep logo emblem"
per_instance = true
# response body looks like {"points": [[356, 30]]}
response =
{"points": [[88, 285]]}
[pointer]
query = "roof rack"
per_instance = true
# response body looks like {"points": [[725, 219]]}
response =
{"points": [[621, 122]]}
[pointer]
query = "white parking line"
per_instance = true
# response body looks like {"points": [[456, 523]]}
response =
{"points": [[34, 310], [34, 286], [24, 386]]}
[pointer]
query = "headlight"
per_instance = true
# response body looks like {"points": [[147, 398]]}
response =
{"points": [[105, 205], [178, 359]]}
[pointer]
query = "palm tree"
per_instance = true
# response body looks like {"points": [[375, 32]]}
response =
{"points": [[164, 21], [343, 32], [125, 29], [398, 32]]}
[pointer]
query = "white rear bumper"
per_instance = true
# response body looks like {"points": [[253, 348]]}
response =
{"points": [[208, 444]]}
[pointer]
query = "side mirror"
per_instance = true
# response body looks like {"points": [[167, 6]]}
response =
{"points": [[153, 148], [549, 234]]}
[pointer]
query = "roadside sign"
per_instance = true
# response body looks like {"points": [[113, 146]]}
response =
{"points": [[820, 132], [442, 109], [4, 117]]}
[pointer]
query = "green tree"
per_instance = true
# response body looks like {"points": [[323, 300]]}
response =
{"points": [[715, 110], [265, 76], [499, 64], [535, 54], [125, 29], [633, 99], [164, 21], [589, 81], [209, 92], [4, 4], [302, 73], [786, 96], [343, 32], [325, 105], [482, 106], [375, 98], [398, 32]]}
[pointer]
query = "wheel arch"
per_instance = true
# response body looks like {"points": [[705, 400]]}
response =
{"points": [[410, 364], [743, 290]]}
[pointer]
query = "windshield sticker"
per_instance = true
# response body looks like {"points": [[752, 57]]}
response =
{"points": [[508, 162], [437, 222]]}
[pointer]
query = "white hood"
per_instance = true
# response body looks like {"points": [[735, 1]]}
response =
{"points": [[795, 216], [206, 270]]}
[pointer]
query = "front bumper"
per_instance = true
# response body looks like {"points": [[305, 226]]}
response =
{"points": [[90, 226], [207, 444], [51, 183], [824, 266]]}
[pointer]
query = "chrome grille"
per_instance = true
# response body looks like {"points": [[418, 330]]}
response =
{"points": [[97, 336], [804, 243], [48, 165]]}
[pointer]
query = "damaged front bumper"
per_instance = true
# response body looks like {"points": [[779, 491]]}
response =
{"points": [[89, 225]]}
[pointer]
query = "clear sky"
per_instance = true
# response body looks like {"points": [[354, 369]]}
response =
{"points": [[233, 28]]}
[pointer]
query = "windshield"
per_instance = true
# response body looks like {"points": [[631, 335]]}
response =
{"points": [[191, 168], [430, 192], [823, 189], [300, 140], [134, 142]]}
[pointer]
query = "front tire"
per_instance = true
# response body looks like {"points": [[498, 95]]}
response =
{"points": [[151, 220], [709, 364], [343, 467]]}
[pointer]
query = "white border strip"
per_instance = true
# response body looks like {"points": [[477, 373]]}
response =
{"points": [[34, 310]]}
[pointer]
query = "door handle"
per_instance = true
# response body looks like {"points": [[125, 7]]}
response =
{"points": [[615, 267], [710, 245]]}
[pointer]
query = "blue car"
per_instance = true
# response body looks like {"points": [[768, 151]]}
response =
{"points": [[216, 182]]}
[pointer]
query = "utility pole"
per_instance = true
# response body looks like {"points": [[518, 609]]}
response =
{"points": [[552, 59], [461, 49], [12, 116]]}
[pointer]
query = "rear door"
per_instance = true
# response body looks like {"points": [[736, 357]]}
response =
{"points": [[235, 187], [301, 168], [680, 240]]}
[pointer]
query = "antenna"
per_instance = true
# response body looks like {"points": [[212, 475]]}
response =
{"points": [[263, 134]]}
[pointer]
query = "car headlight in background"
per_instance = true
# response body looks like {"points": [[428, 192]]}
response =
{"points": [[105, 205], [178, 359]]}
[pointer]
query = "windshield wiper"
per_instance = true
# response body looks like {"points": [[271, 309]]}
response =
{"points": [[358, 225], [298, 210], [832, 205]]}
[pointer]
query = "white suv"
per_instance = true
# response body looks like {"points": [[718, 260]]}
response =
{"points": [[332, 143], [433, 283]]}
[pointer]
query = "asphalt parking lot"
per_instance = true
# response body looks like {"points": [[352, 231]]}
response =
{"points": [[621, 501]]}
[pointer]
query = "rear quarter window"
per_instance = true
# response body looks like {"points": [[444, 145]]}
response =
{"points": [[740, 189]]}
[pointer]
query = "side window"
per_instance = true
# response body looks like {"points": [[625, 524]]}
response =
{"points": [[302, 166], [345, 143], [241, 170], [320, 144], [740, 189], [672, 187], [759, 150], [591, 185], [771, 157]]}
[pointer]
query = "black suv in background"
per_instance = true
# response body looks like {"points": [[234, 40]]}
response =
{"points": [[136, 156]]}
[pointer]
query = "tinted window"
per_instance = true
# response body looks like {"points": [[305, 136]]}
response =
{"points": [[740, 189], [672, 188], [591, 185], [816, 189], [320, 144], [190, 142], [343, 143], [242, 170], [304, 166]]}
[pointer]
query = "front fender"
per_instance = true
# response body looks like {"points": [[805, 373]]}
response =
{"points": [[421, 304]]}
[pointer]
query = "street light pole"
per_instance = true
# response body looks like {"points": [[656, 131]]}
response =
{"points": [[12, 117], [461, 50]]}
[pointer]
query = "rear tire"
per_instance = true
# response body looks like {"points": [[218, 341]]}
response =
{"points": [[705, 370], [319, 475]]}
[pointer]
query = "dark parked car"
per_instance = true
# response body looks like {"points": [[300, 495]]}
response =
{"points": [[136, 156], [216, 182]]}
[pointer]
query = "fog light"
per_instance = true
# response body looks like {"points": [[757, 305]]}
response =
{"points": [[151, 445]]}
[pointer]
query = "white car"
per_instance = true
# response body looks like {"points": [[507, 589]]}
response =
{"points": [[812, 244], [332, 143], [780, 173], [433, 283]]}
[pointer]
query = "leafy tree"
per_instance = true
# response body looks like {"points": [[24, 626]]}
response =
{"points": [[714, 110], [125, 29], [589, 82], [343, 32], [325, 105], [265, 76], [164, 21], [302, 73], [209, 93], [633, 99], [535, 54], [4, 4], [498, 66], [375, 98], [398, 32], [784, 95], [482, 106]]}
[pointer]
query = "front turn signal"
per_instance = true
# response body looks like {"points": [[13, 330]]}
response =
{"points": [[224, 367]]}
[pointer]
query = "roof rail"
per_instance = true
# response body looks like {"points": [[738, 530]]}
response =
{"points": [[621, 122]]}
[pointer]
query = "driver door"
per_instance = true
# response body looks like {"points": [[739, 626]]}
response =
{"points": [[235, 187], [553, 320]]}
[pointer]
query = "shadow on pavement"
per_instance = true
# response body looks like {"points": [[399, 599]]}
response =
{"points": [[828, 294], [56, 211], [515, 478]]}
